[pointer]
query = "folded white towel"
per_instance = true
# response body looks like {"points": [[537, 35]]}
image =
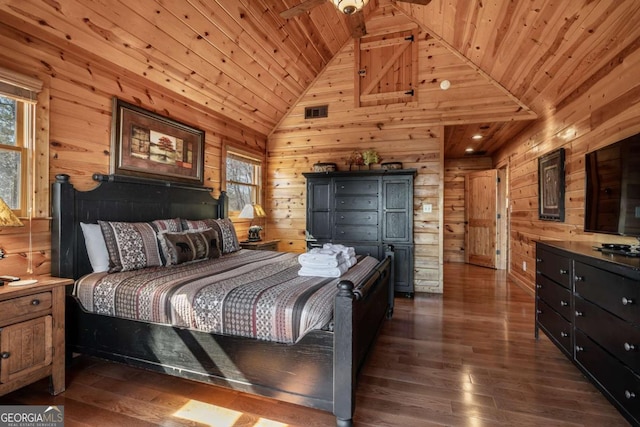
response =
{"points": [[321, 260], [351, 261], [324, 272], [347, 250]]}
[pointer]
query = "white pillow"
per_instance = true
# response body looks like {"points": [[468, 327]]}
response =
{"points": [[96, 247]]}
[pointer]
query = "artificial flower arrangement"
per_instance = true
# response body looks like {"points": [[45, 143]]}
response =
{"points": [[370, 156]]}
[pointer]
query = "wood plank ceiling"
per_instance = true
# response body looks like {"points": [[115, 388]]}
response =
{"points": [[241, 60]]}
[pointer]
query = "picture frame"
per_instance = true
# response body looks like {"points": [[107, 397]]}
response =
{"points": [[147, 145], [551, 186]]}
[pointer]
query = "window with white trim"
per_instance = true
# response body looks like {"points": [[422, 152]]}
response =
{"points": [[18, 97], [243, 178]]}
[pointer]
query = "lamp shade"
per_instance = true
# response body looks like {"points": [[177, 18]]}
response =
{"points": [[349, 7], [251, 211], [7, 217]]}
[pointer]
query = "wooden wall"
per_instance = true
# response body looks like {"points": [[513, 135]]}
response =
{"points": [[79, 119], [454, 205], [603, 110]]}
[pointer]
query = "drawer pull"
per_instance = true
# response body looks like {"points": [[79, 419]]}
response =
{"points": [[627, 301], [342, 232], [578, 348], [564, 303], [341, 216], [629, 394], [538, 259], [539, 311], [563, 271], [342, 202], [564, 334], [579, 278], [36, 301], [5, 354], [629, 347], [539, 286], [579, 313]]}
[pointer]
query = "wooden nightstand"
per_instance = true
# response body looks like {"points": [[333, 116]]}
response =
{"points": [[261, 245], [32, 334]]}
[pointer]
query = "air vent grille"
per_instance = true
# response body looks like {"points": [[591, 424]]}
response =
{"points": [[317, 112]]}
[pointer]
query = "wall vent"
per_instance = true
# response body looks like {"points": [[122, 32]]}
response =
{"points": [[317, 112]]}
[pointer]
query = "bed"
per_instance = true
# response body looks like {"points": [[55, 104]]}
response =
{"points": [[318, 369]]}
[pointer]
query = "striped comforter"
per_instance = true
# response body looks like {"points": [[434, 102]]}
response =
{"points": [[256, 294]]}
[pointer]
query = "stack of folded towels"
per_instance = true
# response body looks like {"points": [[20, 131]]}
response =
{"points": [[329, 261]]}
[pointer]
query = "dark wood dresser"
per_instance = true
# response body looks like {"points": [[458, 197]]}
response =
{"points": [[588, 304], [369, 210]]}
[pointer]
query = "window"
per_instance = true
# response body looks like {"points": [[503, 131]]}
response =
{"points": [[18, 96], [13, 153], [243, 178]]}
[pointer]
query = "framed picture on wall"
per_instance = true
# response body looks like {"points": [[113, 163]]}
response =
{"points": [[148, 145], [551, 186]]}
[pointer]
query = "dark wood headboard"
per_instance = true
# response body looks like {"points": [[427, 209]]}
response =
{"points": [[118, 198]]}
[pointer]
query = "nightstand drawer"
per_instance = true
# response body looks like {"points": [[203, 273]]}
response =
{"points": [[23, 306]]}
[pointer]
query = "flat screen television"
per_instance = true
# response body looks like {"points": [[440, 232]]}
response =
{"points": [[612, 197]]}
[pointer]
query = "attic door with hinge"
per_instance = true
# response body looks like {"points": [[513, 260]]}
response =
{"points": [[386, 69]]}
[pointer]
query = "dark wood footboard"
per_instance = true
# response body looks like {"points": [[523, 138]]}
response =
{"points": [[358, 314]]}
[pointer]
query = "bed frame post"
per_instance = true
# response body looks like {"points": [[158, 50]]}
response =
{"points": [[62, 227], [344, 369]]}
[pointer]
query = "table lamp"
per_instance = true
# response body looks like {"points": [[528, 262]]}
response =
{"points": [[7, 219], [251, 211]]}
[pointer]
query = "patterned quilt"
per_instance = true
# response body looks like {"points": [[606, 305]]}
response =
{"points": [[256, 294]]}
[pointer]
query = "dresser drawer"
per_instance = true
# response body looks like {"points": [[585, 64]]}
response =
{"points": [[556, 326], [355, 232], [555, 267], [618, 337], [22, 307], [356, 218], [617, 294], [558, 297], [620, 383], [364, 202], [356, 186]]}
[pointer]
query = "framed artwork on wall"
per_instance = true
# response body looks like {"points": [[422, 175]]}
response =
{"points": [[551, 186], [148, 145]]}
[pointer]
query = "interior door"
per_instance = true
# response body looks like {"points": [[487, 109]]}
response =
{"points": [[481, 206]]}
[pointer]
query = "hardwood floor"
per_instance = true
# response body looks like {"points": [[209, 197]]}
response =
{"points": [[465, 358]]}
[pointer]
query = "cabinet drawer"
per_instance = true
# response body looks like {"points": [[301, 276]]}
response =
{"points": [[617, 336], [24, 306], [617, 294], [355, 232], [556, 326], [620, 383], [357, 218], [555, 267], [357, 202], [558, 297], [356, 186]]}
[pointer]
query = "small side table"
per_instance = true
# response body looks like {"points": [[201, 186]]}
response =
{"points": [[261, 245], [32, 333]]}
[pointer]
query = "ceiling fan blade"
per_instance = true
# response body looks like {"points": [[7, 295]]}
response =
{"points": [[422, 2], [303, 7], [356, 24]]}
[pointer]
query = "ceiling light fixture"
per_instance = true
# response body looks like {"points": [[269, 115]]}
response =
{"points": [[349, 7], [476, 136], [468, 150], [445, 84]]}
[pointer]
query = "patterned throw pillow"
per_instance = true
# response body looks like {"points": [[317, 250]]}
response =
{"points": [[131, 245], [224, 227], [187, 246]]}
